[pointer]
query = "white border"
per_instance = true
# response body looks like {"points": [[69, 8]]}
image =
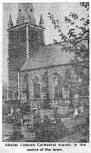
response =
{"points": [[3, 149]]}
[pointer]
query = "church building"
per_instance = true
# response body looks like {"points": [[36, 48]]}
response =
{"points": [[40, 75]]}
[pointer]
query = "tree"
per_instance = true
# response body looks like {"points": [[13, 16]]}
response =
{"points": [[77, 33], [76, 40]]}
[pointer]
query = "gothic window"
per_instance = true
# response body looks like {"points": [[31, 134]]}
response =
{"points": [[36, 86], [45, 88], [57, 86], [25, 83], [25, 88], [67, 81]]}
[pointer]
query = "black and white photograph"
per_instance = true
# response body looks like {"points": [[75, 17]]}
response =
{"points": [[45, 74]]}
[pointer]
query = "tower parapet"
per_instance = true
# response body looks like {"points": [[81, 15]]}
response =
{"points": [[25, 13]]}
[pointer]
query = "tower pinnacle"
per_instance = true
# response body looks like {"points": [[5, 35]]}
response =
{"points": [[10, 23], [41, 23]]}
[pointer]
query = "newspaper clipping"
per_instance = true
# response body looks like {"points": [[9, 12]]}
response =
{"points": [[45, 77]]}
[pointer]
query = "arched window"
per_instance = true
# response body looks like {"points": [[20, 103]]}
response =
{"points": [[67, 78], [36, 87], [57, 78], [45, 89], [25, 88], [25, 82]]}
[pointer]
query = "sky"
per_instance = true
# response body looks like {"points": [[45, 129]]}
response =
{"points": [[59, 10]]}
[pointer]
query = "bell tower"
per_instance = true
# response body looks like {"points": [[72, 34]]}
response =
{"points": [[23, 39]]}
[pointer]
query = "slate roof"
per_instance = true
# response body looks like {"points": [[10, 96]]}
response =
{"points": [[45, 56]]}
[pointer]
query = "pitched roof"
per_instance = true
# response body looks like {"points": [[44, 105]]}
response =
{"points": [[45, 56]]}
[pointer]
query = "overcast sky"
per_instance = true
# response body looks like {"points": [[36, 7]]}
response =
{"points": [[59, 10]]}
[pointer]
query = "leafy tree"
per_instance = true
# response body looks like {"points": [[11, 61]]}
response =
{"points": [[76, 40], [77, 33]]}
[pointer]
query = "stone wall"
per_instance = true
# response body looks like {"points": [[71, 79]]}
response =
{"points": [[51, 72], [60, 76]]}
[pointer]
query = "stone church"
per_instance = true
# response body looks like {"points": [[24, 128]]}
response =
{"points": [[40, 75]]}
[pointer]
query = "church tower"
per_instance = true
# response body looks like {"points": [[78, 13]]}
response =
{"points": [[23, 39]]}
